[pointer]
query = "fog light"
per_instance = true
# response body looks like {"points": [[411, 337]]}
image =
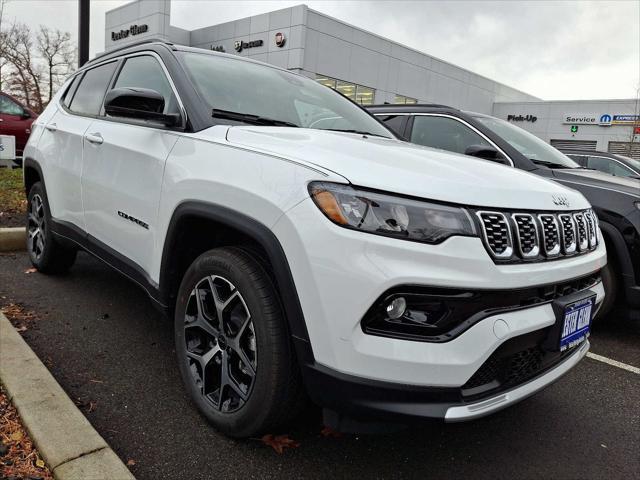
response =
{"points": [[396, 308]]}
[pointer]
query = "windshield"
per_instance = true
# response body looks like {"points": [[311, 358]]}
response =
{"points": [[231, 85], [528, 144]]}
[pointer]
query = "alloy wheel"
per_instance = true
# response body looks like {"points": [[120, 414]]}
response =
{"points": [[37, 227], [220, 341]]}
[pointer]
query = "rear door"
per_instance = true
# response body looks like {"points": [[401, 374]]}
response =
{"points": [[124, 164], [61, 143]]}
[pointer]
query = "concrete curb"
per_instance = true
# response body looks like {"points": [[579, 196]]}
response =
{"points": [[13, 239], [64, 437]]}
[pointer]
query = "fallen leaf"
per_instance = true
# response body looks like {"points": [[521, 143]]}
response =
{"points": [[16, 436], [131, 462], [329, 432], [279, 442], [40, 463], [21, 329], [31, 270]]}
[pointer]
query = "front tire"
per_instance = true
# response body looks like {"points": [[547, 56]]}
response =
{"points": [[45, 252], [610, 285], [233, 347]]}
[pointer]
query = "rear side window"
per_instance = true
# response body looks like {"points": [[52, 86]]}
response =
{"points": [[444, 133], [146, 72], [90, 93]]}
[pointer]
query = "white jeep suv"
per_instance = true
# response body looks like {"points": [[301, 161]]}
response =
{"points": [[300, 246]]}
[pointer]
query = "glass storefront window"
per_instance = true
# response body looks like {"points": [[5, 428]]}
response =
{"points": [[401, 99], [365, 95], [358, 93]]}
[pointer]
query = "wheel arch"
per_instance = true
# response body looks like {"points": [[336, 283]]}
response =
{"points": [[32, 173], [226, 225], [620, 254]]}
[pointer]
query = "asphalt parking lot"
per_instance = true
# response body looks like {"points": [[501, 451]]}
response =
{"points": [[109, 348]]}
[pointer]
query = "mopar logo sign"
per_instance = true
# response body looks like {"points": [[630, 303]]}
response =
{"points": [[605, 120]]}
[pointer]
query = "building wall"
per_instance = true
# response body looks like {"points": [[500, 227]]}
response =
{"points": [[321, 45], [337, 49], [550, 117]]}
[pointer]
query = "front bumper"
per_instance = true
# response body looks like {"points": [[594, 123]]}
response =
{"points": [[365, 401]]}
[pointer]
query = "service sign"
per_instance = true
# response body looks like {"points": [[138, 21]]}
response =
{"points": [[580, 119]]}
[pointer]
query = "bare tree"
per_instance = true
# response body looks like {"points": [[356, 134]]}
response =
{"points": [[26, 75], [58, 52], [3, 61]]}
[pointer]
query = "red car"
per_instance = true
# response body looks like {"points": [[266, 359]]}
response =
{"points": [[16, 120]]}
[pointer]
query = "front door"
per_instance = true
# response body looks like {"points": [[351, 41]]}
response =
{"points": [[123, 169]]}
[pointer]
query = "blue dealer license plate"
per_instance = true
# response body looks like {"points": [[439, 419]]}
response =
{"points": [[576, 323]]}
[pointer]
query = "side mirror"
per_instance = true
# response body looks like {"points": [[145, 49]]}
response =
{"points": [[486, 152], [140, 104], [25, 115]]}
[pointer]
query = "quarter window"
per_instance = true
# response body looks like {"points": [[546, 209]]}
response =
{"points": [[394, 122], [444, 133], [68, 96], [90, 93], [145, 72]]}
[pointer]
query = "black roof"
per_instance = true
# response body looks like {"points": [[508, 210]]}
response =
{"points": [[582, 151], [411, 108]]}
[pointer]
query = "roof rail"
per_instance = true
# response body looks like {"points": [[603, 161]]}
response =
{"points": [[130, 45], [429, 105]]}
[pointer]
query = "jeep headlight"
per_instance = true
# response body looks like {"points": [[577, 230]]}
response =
{"points": [[390, 215]]}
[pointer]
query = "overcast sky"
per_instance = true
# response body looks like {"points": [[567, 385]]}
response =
{"points": [[554, 50]]}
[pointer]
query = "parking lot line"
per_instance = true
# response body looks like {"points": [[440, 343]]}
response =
{"points": [[615, 363]]}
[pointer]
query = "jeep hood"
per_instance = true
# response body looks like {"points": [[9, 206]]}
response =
{"points": [[400, 167], [594, 178]]}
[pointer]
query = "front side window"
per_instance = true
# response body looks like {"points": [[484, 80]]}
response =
{"points": [[90, 93], [532, 147], [610, 166], [234, 85], [9, 107], [444, 133], [145, 72]]}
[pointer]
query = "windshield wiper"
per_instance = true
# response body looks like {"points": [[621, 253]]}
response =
{"points": [[359, 132], [249, 118], [549, 164]]}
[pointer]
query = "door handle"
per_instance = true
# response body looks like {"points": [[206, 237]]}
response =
{"points": [[95, 138], [52, 127]]}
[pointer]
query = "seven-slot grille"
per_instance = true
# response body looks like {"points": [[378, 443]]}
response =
{"points": [[525, 236]]}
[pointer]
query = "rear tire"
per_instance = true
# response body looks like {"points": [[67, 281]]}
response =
{"points": [[45, 252], [233, 345]]}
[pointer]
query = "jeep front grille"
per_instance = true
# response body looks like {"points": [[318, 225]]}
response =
{"points": [[524, 236], [497, 234]]}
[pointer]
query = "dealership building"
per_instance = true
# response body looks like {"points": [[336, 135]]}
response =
{"points": [[371, 69]]}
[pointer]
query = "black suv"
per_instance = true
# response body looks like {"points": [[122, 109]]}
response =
{"points": [[616, 200], [616, 165]]}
